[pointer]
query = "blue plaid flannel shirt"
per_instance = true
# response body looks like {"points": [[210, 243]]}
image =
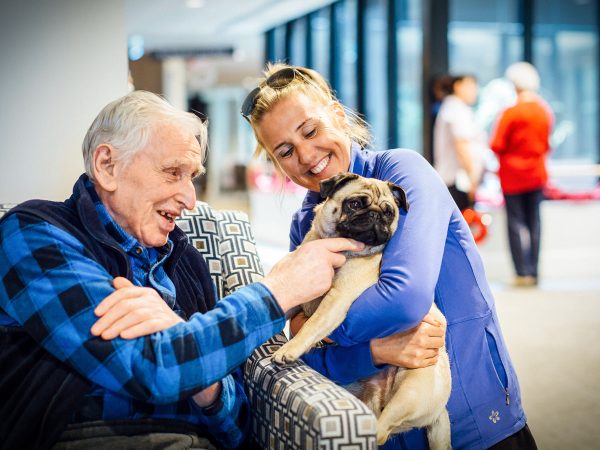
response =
{"points": [[51, 288]]}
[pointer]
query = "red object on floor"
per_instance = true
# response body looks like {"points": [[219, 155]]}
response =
{"points": [[552, 192], [478, 228]]}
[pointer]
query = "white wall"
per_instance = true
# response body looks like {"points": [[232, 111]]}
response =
{"points": [[61, 61]]}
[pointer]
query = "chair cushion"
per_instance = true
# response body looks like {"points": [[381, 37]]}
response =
{"points": [[226, 241]]}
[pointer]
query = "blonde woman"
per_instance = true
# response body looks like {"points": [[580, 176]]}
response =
{"points": [[310, 136]]}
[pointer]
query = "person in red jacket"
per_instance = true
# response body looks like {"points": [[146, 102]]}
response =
{"points": [[521, 143]]}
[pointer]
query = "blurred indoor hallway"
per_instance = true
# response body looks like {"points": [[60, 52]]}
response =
{"points": [[553, 330]]}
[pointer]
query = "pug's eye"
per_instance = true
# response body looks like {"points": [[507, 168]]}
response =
{"points": [[388, 212], [353, 204]]}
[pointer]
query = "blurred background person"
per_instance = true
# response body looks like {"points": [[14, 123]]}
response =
{"points": [[521, 143], [459, 143]]}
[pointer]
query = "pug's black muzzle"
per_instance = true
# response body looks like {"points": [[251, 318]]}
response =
{"points": [[370, 227]]}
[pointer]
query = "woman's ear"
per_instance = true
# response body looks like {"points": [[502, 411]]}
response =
{"points": [[103, 165], [339, 114]]}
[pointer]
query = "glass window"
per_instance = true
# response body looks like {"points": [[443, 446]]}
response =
{"points": [[565, 50], [276, 44], [484, 38], [320, 30], [409, 54], [346, 40], [376, 99], [297, 56]]}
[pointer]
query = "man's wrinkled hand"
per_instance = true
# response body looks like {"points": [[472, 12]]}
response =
{"points": [[132, 311], [209, 395], [307, 272]]}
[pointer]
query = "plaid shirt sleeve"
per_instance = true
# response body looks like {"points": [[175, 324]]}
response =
{"points": [[226, 419], [51, 287]]}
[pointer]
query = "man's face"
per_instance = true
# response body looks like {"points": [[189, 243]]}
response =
{"points": [[156, 185]]}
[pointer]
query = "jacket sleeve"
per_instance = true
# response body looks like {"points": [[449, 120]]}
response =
{"points": [[227, 419], [411, 260]]}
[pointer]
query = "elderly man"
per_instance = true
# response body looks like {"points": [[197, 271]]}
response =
{"points": [[111, 333]]}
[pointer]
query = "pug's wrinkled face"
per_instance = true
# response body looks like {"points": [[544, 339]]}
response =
{"points": [[364, 209]]}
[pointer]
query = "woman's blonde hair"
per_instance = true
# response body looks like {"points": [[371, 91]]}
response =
{"points": [[310, 83]]}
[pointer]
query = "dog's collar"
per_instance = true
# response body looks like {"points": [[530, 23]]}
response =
{"points": [[366, 252]]}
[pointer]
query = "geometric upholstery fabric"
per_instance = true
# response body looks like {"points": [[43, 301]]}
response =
{"points": [[301, 409], [225, 240], [239, 257], [292, 407]]}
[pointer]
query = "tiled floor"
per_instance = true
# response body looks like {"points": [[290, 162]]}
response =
{"points": [[553, 330]]}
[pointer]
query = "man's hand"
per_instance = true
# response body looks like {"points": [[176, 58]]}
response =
{"points": [[412, 349], [307, 272], [132, 311], [209, 395]]}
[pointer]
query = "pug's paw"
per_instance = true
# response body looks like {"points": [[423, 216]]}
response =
{"points": [[285, 356]]}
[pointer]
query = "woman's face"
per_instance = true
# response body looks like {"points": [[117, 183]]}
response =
{"points": [[307, 139], [466, 89]]}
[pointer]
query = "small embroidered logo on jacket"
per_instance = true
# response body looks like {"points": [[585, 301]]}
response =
{"points": [[495, 416]]}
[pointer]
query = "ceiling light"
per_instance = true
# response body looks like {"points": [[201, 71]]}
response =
{"points": [[194, 3], [135, 47]]}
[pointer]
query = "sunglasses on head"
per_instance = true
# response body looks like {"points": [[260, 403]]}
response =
{"points": [[278, 80]]}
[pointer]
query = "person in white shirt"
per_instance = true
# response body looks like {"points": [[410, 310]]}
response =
{"points": [[459, 142]]}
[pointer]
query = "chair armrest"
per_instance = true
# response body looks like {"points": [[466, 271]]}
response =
{"points": [[295, 407]]}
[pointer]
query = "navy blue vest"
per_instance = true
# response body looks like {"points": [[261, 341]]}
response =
{"points": [[38, 393]]}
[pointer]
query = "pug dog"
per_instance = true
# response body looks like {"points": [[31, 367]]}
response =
{"points": [[367, 210]]}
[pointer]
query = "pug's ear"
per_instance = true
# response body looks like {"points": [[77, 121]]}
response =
{"points": [[331, 185], [399, 195]]}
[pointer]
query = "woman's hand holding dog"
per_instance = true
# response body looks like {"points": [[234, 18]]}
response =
{"points": [[412, 349]]}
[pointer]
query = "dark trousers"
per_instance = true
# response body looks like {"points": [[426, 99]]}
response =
{"points": [[521, 440], [524, 230], [143, 434], [460, 198]]}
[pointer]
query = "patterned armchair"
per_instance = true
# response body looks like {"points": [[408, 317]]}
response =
{"points": [[292, 407]]}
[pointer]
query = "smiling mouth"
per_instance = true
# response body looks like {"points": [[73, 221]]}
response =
{"points": [[167, 216], [321, 166]]}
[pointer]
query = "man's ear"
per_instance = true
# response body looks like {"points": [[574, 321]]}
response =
{"points": [[399, 195], [103, 165], [331, 185]]}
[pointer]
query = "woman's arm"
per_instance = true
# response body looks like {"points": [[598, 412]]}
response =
{"points": [[411, 349]]}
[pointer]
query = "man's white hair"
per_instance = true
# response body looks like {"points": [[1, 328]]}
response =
{"points": [[524, 76], [127, 124]]}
